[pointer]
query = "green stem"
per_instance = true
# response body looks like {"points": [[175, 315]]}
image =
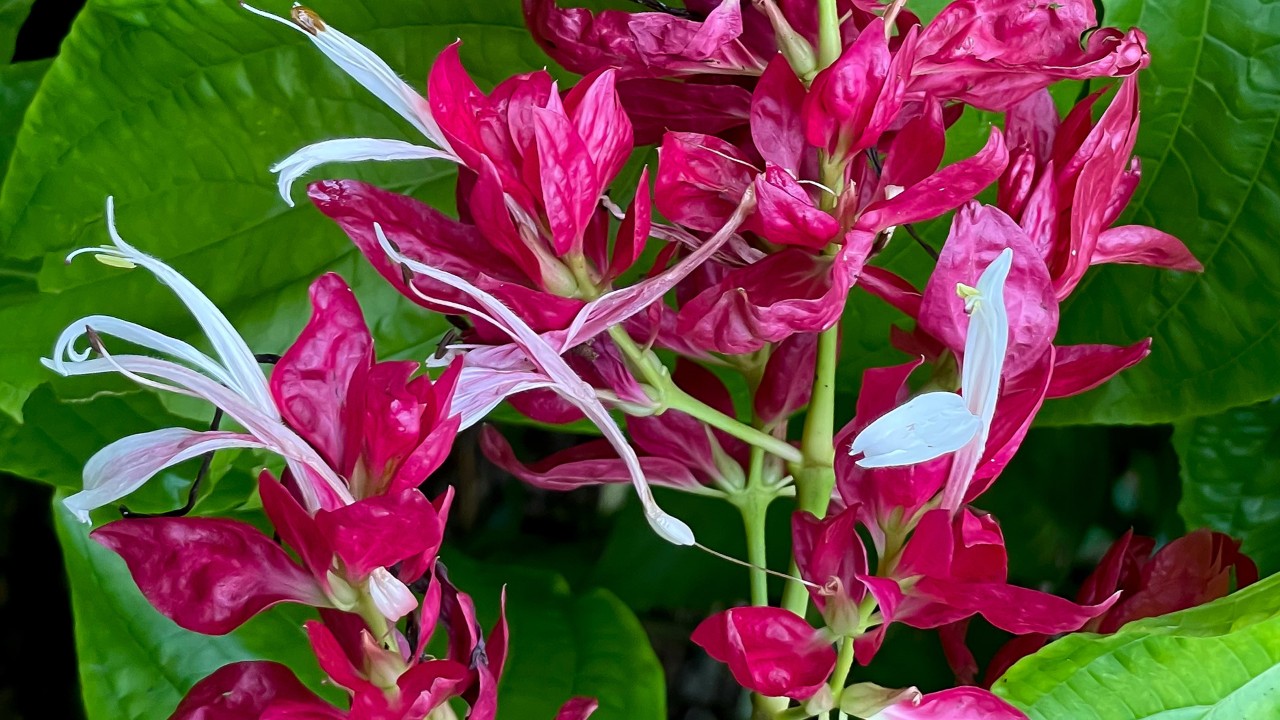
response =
{"points": [[828, 33], [814, 475], [844, 663], [677, 399], [754, 506]]}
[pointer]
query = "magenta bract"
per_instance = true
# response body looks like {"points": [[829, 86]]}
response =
{"points": [[769, 650]]}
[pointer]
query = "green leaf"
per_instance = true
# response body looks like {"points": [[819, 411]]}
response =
{"points": [[1231, 477], [135, 664], [57, 437], [178, 109], [18, 84], [564, 645], [1211, 166], [12, 14], [1218, 661]]}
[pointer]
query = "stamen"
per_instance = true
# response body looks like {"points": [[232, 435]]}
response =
{"points": [[114, 261], [306, 18], [753, 566], [731, 158], [818, 185]]}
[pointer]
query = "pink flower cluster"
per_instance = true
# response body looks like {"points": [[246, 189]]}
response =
{"points": [[793, 148]]}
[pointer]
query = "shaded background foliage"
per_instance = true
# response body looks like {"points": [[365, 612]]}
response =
{"points": [[179, 107]]}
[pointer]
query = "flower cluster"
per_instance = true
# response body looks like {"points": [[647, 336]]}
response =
{"points": [[796, 141]]}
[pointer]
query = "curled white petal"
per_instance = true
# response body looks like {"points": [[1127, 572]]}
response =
{"points": [[392, 597], [558, 376], [366, 68], [126, 464], [926, 427], [273, 434], [348, 150], [64, 350], [242, 369]]}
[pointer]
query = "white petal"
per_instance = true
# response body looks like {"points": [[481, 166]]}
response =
{"points": [[985, 346], [126, 464], [271, 431], [926, 427], [392, 597], [561, 378], [987, 340], [348, 150], [480, 390], [241, 367], [365, 68], [65, 350], [619, 305]]}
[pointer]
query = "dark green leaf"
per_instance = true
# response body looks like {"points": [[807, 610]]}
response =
{"points": [[1219, 661], [565, 644], [18, 84], [136, 664], [1211, 165], [1231, 477], [12, 14]]}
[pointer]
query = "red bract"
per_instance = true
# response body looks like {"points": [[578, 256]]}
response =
{"points": [[381, 430], [993, 53], [954, 567], [1070, 180], [208, 575], [769, 650], [829, 553], [579, 708], [964, 703], [252, 690], [365, 536], [1191, 570], [852, 102], [647, 44], [427, 235]]}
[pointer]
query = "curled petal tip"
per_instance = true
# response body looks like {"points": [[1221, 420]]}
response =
{"points": [[670, 528]]}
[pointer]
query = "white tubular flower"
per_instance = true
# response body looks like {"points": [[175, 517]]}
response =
{"points": [[377, 77], [549, 370], [233, 381], [934, 424]]}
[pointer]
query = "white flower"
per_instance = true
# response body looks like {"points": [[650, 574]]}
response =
{"points": [[378, 78], [936, 423], [233, 382]]}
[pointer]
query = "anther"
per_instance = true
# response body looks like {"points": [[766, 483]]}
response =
{"points": [[307, 19]]}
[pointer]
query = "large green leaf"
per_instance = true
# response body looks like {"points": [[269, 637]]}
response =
{"points": [[1211, 154], [134, 662], [1231, 477], [178, 109], [1218, 661]]}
